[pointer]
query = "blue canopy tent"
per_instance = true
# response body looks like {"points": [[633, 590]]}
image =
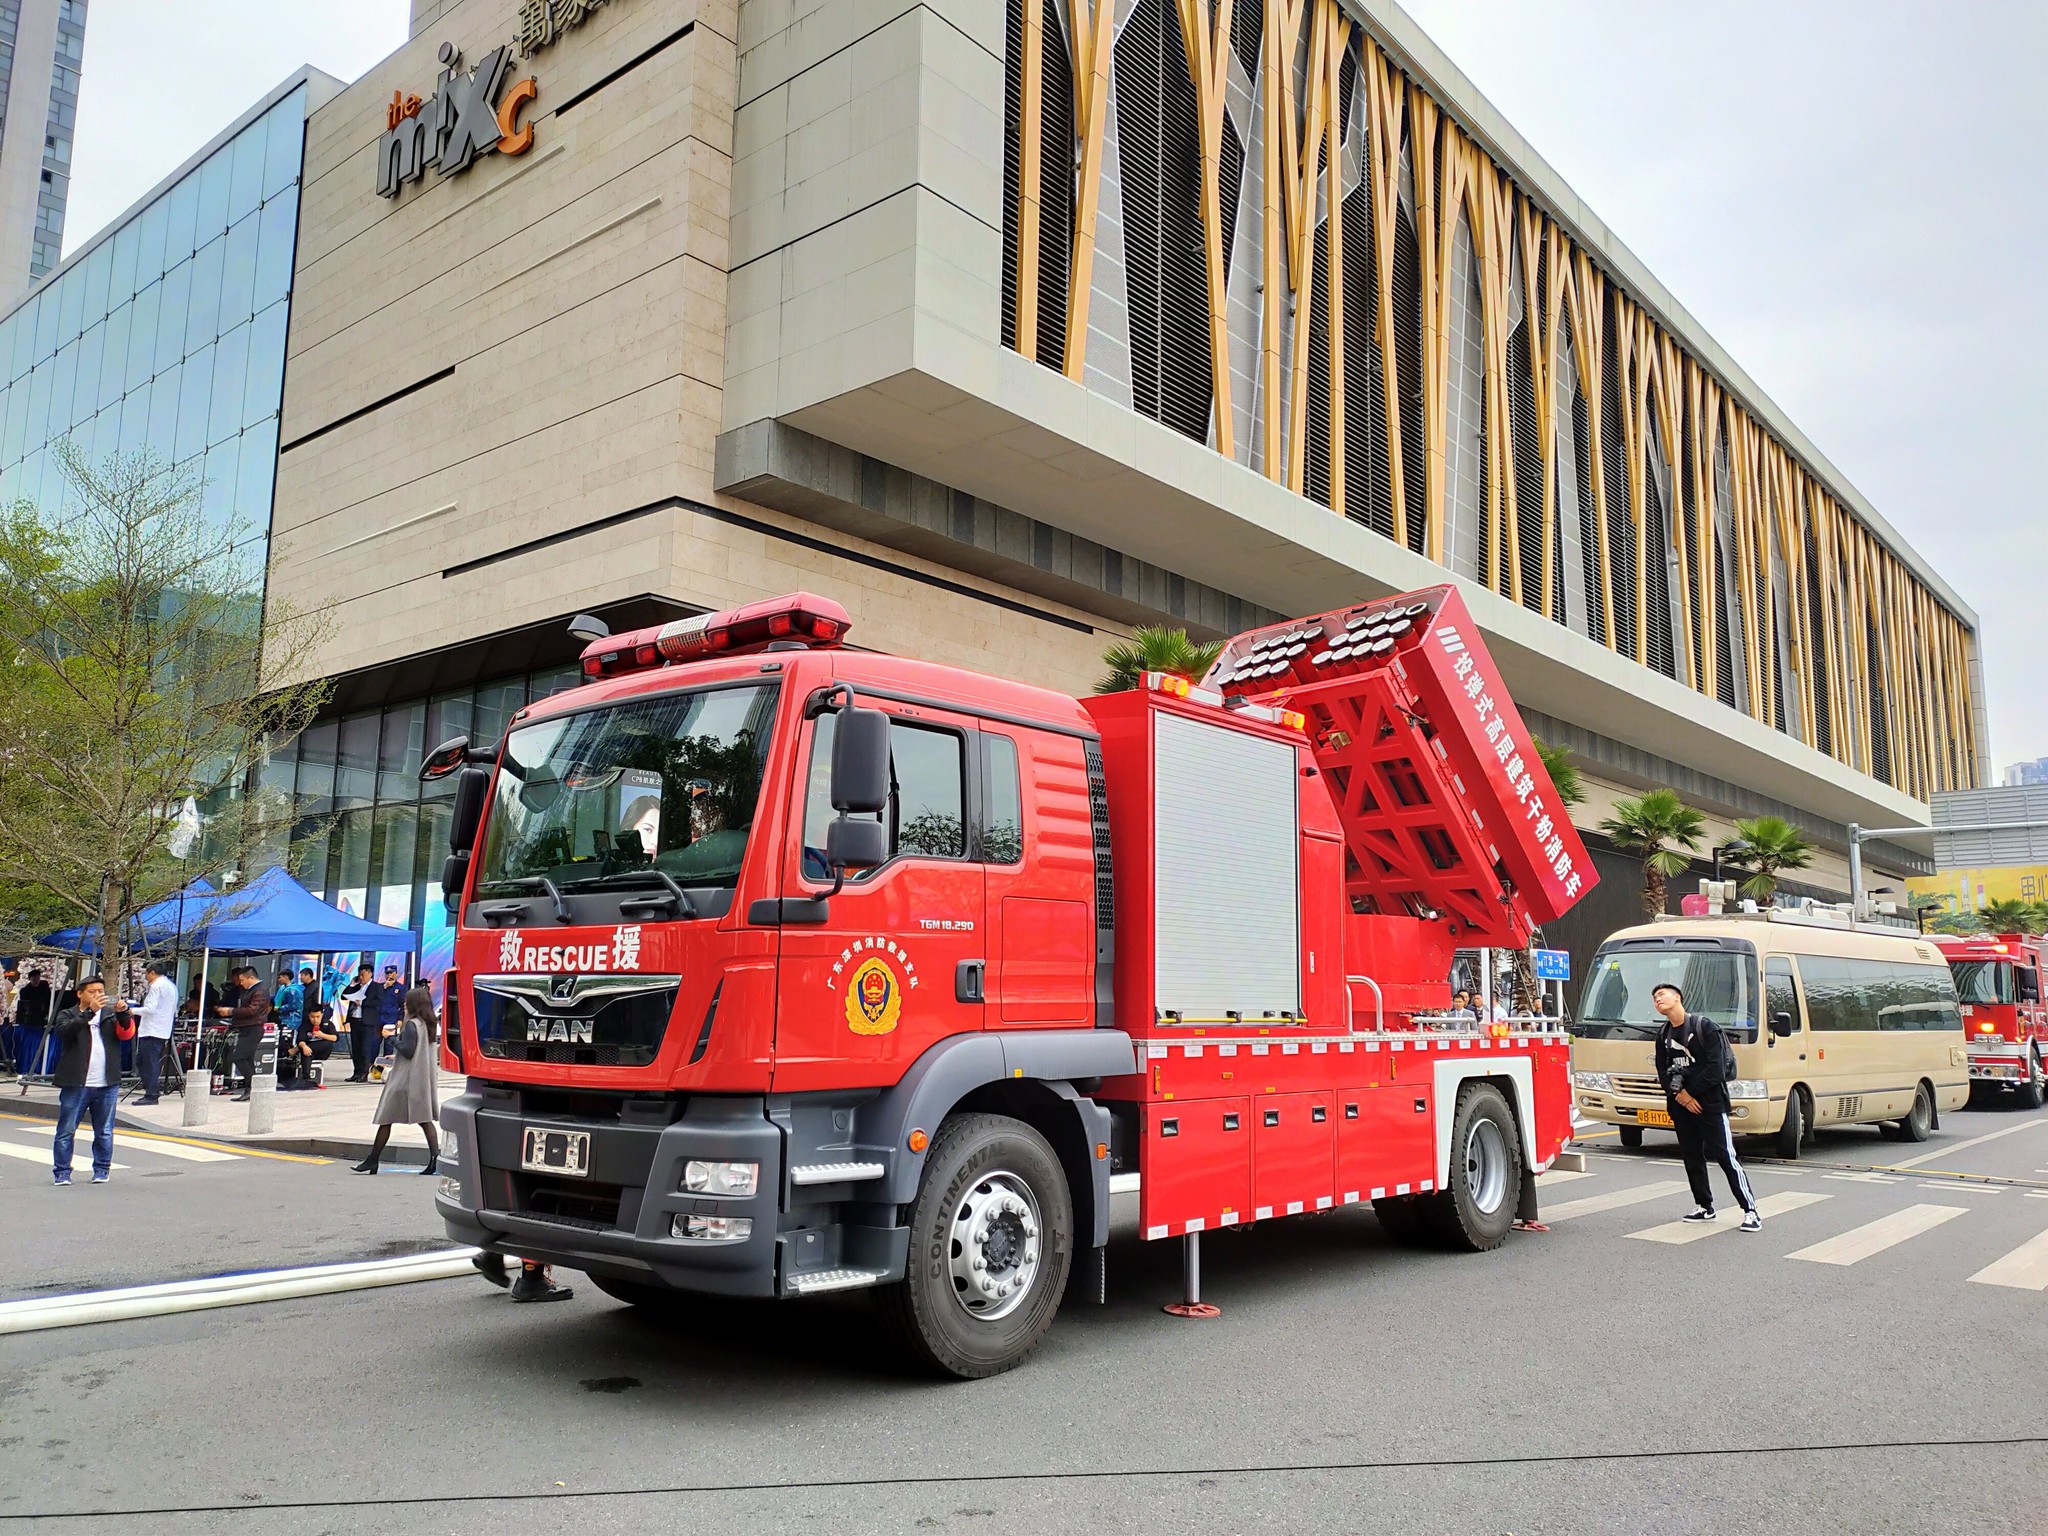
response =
{"points": [[154, 927], [275, 914]]}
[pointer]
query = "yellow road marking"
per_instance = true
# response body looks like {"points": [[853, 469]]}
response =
{"points": [[187, 1141]]}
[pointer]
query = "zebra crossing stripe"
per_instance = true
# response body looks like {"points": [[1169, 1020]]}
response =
{"points": [[1680, 1232], [1859, 1243], [81, 1166], [2024, 1269], [183, 1152], [1563, 1175], [1613, 1200]]}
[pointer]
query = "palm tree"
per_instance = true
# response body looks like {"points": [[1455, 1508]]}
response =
{"points": [[1768, 845], [1154, 648], [1661, 829], [2008, 916]]}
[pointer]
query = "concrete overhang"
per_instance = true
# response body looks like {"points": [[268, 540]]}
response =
{"points": [[984, 420]]}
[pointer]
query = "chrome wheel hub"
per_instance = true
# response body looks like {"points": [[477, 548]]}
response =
{"points": [[995, 1246], [1486, 1165]]}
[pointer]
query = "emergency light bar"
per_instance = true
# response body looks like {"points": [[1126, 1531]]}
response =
{"points": [[798, 618]]}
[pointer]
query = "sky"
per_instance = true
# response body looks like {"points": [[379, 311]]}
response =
{"points": [[1845, 193]]}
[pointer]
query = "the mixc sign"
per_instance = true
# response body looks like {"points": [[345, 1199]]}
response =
{"points": [[473, 112]]}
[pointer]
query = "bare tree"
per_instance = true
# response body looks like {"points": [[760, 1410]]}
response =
{"points": [[133, 679]]}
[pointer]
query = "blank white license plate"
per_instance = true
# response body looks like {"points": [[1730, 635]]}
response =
{"points": [[548, 1151]]}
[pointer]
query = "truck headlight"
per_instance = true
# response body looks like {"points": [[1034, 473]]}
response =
{"points": [[712, 1229], [1597, 1082], [1747, 1088], [706, 1178]]}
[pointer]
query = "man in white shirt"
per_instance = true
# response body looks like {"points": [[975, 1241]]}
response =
{"points": [[88, 1076], [153, 1029]]}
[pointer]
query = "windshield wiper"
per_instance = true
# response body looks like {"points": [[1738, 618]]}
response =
{"points": [[542, 883], [684, 906]]}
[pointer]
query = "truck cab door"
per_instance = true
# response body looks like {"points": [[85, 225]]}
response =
{"points": [[876, 973]]}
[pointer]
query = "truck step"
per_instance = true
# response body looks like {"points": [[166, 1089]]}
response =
{"points": [[822, 1280], [835, 1173]]}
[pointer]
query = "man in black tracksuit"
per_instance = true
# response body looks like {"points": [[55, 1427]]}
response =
{"points": [[1689, 1066]]}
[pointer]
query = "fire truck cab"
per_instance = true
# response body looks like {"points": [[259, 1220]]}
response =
{"points": [[785, 969], [1998, 982]]}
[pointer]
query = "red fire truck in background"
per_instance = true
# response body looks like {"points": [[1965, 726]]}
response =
{"points": [[783, 968], [1998, 982]]}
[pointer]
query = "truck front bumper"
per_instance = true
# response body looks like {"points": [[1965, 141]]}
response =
{"points": [[1998, 1064], [626, 1214]]}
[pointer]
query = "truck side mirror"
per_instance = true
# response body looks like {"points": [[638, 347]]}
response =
{"points": [[1781, 1024], [860, 763], [454, 876], [852, 844], [468, 813]]}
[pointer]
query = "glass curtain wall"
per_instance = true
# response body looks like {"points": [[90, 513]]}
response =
{"points": [[370, 838], [168, 334]]}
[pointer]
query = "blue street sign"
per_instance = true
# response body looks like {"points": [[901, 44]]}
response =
{"points": [[1553, 965]]}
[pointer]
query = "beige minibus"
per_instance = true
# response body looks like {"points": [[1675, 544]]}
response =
{"points": [[1833, 1023]]}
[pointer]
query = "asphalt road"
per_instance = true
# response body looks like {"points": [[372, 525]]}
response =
{"points": [[1594, 1379]]}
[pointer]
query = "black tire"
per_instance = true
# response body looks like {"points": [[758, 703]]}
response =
{"points": [[2032, 1091], [1631, 1136], [637, 1293], [1917, 1124], [973, 1158], [1792, 1135], [1478, 1210], [1404, 1219]]}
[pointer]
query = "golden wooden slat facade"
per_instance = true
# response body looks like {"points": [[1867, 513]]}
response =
{"points": [[1875, 670]]}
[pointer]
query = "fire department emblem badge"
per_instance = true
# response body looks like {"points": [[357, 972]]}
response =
{"points": [[874, 998]]}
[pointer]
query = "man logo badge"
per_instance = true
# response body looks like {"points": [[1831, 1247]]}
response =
{"points": [[562, 989], [564, 1031]]}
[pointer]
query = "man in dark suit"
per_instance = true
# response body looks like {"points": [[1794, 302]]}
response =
{"points": [[31, 1018], [88, 1076], [248, 1017]]}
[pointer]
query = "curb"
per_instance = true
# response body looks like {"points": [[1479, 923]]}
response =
{"points": [[307, 1146]]}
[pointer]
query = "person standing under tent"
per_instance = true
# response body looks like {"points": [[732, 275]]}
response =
{"points": [[248, 1018], [355, 1022], [153, 1029], [409, 1096]]}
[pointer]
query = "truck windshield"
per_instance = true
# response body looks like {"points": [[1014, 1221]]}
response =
{"points": [[1718, 983], [1982, 981], [666, 783]]}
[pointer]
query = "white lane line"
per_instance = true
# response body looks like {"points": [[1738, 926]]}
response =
{"points": [[2024, 1269], [1613, 1200], [1860, 1243], [81, 1157], [1859, 1178], [1974, 1141], [1563, 1175], [40, 1312], [128, 1143], [1959, 1187], [1679, 1232]]}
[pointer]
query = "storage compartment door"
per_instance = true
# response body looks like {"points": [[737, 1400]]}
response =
{"points": [[1226, 877]]}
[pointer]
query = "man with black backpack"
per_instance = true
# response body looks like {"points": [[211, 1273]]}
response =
{"points": [[1695, 1062]]}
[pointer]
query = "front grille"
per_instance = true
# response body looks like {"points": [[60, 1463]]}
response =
{"points": [[1638, 1087], [575, 1203], [592, 1021]]}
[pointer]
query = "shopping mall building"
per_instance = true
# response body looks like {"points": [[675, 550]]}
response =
{"points": [[1010, 329]]}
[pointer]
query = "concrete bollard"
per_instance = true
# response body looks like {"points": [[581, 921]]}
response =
{"points": [[263, 1085], [198, 1095]]}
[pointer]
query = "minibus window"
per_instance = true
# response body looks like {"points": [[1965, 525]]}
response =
{"points": [[1779, 996], [1718, 983]]}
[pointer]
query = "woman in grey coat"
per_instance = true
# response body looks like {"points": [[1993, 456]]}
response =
{"points": [[408, 1096]]}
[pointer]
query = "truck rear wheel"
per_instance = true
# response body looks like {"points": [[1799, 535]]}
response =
{"points": [[2031, 1091], [1478, 1209], [991, 1242]]}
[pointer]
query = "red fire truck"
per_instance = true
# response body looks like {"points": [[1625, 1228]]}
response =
{"points": [[1998, 982], [783, 968]]}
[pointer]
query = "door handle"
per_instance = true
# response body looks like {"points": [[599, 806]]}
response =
{"points": [[967, 981]]}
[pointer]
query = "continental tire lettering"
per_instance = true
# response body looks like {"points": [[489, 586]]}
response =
{"points": [[516, 137]]}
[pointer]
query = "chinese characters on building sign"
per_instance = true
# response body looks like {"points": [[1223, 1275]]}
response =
{"points": [[542, 21], [473, 113]]}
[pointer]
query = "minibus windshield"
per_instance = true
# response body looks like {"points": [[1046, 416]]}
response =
{"points": [[1718, 983]]}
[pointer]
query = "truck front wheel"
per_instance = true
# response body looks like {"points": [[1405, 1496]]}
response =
{"points": [[1478, 1209], [991, 1242]]}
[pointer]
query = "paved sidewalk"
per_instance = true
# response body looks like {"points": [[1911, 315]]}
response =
{"points": [[337, 1120]]}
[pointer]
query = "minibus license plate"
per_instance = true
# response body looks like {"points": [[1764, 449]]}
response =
{"points": [[557, 1152], [1643, 1117]]}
